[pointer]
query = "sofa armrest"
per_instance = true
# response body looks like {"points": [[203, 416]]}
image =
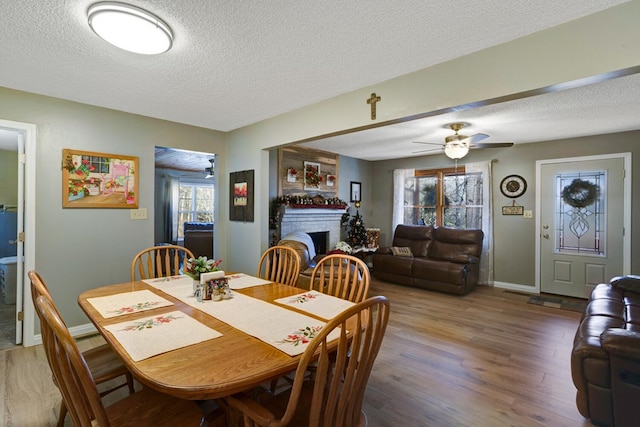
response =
{"points": [[622, 343], [627, 283]]}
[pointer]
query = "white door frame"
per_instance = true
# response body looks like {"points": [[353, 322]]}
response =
{"points": [[626, 239], [28, 202]]}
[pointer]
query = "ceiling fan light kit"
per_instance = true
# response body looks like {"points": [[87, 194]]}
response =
{"points": [[457, 146], [130, 28]]}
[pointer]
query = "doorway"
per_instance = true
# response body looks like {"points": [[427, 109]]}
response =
{"points": [[19, 138], [584, 222]]}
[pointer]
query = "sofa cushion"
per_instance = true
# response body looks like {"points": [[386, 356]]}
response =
{"points": [[449, 244], [416, 237], [401, 251]]}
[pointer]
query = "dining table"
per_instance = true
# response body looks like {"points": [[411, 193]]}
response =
{"points": [[223, 347]]}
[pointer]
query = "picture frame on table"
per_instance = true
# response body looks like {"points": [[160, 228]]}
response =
{"points": [[356, 191], [99, 180], [241, 195]]}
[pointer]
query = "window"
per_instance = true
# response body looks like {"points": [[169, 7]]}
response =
{"points": [[444, 197], [195, 203]]}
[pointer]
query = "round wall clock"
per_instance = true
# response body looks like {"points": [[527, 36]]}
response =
{"points": [[513, 186]]}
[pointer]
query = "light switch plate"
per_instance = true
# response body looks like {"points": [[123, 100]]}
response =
{"points": [[527, 214], [140, 213]]}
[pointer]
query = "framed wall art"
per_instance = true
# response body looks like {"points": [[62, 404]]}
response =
{"points": [[241, 195], [356, 191], [99, 180]]}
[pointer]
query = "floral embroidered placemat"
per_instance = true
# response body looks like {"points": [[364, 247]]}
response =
{"points": [[241, 281], [314, 302], [170, 280], [127, 303], [150, 336]]}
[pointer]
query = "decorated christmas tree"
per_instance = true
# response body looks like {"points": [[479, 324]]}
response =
{"points": [[356, 232]]}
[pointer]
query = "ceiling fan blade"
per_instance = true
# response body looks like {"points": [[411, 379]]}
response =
{"points": [[492, 145], [427, 151], [477, 138], [428, 143]]}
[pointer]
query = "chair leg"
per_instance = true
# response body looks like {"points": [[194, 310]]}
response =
{"points": [[129, 382], [62, 414]]}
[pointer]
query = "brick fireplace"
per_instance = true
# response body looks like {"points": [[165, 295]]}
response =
{"points": [[312, 220]]}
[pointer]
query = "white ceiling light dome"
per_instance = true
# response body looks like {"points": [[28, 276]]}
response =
{"points": [[130, 28]]}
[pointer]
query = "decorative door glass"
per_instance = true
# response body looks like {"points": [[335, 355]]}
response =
{"points": [[580, 213]]}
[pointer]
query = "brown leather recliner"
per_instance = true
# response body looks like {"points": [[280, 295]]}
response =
{"points": [[441, 259], [605, 361]]}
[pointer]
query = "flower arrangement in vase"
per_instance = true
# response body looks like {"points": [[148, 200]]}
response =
{"points": [[194, 267]]}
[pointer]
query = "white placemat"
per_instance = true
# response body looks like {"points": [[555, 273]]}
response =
{"points": [[314, 302], [127, 303], [241, 281], [150, 336]]}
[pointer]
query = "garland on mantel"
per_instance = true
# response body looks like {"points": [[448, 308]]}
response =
{"points": [[301, 202]]}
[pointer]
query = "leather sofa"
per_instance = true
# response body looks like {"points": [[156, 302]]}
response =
{"points": [[441, 259], [605, 361], [198, 238]]}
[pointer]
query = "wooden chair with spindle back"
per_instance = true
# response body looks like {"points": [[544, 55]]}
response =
{"points": [[81, 396], [335, 395], [159, 261], [280, 264], [103, 363], [343, 276]]}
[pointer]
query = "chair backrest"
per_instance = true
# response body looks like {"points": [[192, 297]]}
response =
{"points": [[280, 264], [70, 370], [342, 372], [343, 276], [159, 261]]}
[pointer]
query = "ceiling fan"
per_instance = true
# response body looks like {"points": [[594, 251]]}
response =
{"points": [[457, 146]]}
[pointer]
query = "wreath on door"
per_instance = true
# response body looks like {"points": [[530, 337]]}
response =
{"points": [[580, 193]]}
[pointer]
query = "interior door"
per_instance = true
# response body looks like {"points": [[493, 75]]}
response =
{"points": [[582, 207]]}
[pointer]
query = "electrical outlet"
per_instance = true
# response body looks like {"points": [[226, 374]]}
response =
{"points": [[528, 214], [139, 213]]}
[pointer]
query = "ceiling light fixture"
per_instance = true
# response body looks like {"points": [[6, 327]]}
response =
{"points": [[130, 28], [210, 171], [456, 146]]}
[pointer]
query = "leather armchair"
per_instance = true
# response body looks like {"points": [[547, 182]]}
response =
{"points": [[605, 361]]}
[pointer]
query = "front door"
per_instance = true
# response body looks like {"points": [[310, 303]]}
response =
{"points": [[582, 223]]}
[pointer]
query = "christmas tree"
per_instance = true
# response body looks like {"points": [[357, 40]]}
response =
{"points": [[356, 232]]}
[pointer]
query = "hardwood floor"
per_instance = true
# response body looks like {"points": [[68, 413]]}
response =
{"points": [[485, 359]]}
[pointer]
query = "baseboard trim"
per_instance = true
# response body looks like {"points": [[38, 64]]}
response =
{"points": [[76, 332], [516, 287]]}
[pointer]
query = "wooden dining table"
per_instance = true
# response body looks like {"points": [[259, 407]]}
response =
{"points": [[210, 369]]}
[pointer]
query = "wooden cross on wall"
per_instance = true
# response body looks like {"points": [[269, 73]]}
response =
{"points": [[372, 101]]}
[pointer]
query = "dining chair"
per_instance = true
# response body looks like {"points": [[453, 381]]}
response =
{"points": [[335, 396], [103, 363], [159, 261], [81, 396], [280, 264], [343, 276]]}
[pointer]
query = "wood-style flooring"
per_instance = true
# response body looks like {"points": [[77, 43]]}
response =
{"points": [[485, 359]]}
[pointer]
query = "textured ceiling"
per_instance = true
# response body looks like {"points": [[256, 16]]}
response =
{"points": [[238, 62]]}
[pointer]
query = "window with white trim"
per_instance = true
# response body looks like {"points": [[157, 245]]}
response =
{"points": [[195, 203], [444, 197]]}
